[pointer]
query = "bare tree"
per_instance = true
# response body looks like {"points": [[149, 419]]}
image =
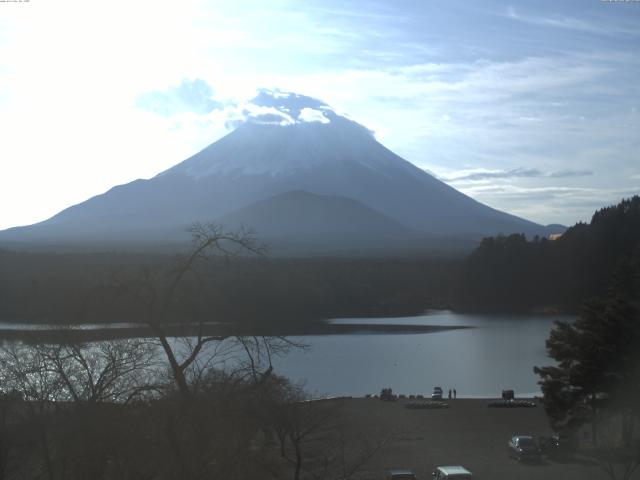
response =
{"points": [[22, 372], [317, 446], [65, 392], [312, 440], [189, 350], [116, 371]]}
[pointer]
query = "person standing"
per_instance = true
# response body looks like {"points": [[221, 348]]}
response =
{"points": [[455, 394], [449, 394]]}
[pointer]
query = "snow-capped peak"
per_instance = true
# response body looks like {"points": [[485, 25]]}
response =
{"points": [[281, 133], [274, 107]]}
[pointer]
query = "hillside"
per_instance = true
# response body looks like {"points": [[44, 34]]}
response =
{"points": [[291, 143], [510, 272]]}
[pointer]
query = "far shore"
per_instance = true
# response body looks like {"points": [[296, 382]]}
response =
{"points": [[221, 330]]}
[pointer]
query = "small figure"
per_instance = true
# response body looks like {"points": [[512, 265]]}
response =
{"points": [[449, 394], [455, 394]]}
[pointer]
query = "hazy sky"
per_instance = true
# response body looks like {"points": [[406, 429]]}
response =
{"points": [[530, 107]]}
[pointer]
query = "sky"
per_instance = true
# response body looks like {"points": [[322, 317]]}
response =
{"points": [[529, 107]]}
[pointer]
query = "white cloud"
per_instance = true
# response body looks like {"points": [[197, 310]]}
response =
{"points": [[570, 23], [312, 115], [266, 115], [190, 96]]}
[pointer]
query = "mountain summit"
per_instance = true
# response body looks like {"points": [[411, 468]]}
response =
{"points": [[286, 133], [288, 153]]}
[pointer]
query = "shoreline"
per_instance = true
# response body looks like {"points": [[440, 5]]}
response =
{"points": [[77, 333], [526, 397]]}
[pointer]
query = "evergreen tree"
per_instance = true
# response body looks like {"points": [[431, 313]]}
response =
{"points": [[598, 365], [598, 357]]}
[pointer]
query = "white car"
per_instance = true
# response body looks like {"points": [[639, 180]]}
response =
{"points": [[456, 472]]}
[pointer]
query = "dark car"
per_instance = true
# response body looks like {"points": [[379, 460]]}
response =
{"points": [[523, 448], [437, 393], [401, 474], [508, 395]]}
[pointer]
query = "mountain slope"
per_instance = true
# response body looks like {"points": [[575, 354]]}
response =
{"points": [[297, 222], [287, 143]]}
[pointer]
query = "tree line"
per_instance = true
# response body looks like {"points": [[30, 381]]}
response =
{"points": [[514, 273], [81, 288], [504, 273]]}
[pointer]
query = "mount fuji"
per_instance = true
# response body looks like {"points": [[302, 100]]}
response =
{"points": [[307, 180]]}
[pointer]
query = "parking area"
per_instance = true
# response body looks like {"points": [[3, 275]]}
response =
{"points": [[467, 433]]}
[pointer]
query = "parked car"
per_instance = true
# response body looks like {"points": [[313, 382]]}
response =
{"points": [[437, 393], [401, 473], [508, 395], [523, 448], [456, 472]]}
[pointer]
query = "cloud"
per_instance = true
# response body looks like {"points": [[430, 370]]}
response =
{"points": [[483, 174], [570, 173], [289, 102], [312, 115], [520, 172], [192, 96], [191, 103], [514, 191], [569, 23], [545, 205], [277, 108], [266, 115]]}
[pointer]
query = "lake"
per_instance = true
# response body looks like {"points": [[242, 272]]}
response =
{"points": [[498, 353]]}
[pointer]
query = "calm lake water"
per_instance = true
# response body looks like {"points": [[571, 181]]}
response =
{"points": [[497, 354]]}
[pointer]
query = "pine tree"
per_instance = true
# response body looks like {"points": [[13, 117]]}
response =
{"points": [[598, 365]]}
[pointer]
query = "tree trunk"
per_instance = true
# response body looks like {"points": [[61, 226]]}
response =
{"points": [[46, 453], [176, 371], [296, 475], [594, 421]]}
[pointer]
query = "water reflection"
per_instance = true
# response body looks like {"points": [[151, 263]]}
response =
{"points": [[498, 353]]}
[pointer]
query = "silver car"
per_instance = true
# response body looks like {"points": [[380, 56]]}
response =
{"points": [[451, 472]]}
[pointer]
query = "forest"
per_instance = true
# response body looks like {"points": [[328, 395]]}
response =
{"points": [[87, 288], [503, 274], [512, 273]]}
